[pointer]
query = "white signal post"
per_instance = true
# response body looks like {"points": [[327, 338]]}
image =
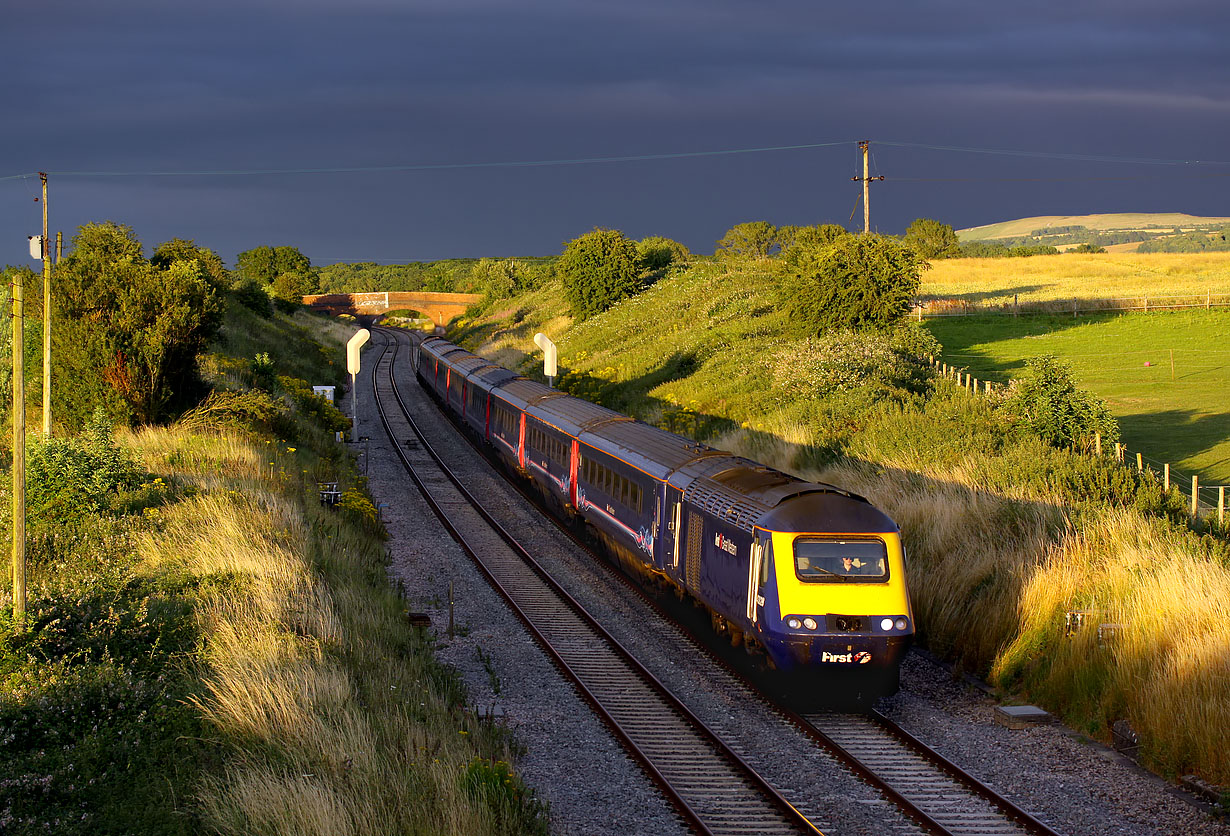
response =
{"points": [[550, 357], [352, 365]]}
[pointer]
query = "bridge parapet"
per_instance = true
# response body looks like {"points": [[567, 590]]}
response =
{"points": [[441, 307]]}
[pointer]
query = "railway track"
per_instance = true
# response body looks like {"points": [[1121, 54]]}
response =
{"points": [[933, 792], [714, 790]]}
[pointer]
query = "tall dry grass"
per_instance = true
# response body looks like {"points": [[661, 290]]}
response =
{"points": [[335, 717], [1164, 665]]}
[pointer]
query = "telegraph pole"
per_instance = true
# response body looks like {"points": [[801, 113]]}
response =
{"points": [[46, 315], [19, 451], [865, 146]]}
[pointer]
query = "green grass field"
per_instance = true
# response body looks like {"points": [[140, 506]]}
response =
{"points": [[1125, 359]]}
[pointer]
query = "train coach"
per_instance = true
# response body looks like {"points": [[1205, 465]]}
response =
{"points": [[809, 574]]}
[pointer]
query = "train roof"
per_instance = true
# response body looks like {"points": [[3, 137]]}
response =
{"points": [[437, 347], [828, 510], [467, 365], [521, 392], [489, 376], [574, 415], [655, 451]]}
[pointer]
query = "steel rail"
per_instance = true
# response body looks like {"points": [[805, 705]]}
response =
{"points": [[707, 801], [933, 817]]}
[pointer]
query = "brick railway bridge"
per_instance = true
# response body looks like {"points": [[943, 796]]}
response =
{"points": [[441, 307]]}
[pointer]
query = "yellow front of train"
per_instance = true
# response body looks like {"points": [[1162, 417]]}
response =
{"points": [[834, 604]]}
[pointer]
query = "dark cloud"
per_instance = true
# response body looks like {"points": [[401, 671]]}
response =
{"points": [[153, 86]]}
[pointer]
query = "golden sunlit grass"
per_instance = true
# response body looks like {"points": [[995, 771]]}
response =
{"points": [[995, 281], [340, 720], [1166, 665]]}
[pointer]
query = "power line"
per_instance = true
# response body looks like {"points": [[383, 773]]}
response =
{"points": [[247, 172], [445, 166]]}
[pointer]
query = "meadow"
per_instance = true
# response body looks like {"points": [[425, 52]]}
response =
{"points": [[997, 281], [1164, 375]]}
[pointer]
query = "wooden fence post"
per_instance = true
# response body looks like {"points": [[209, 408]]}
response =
{"points": [[1140, 463], [1196, 497], [1097, 444], [1166, 476], [1221, 504]]}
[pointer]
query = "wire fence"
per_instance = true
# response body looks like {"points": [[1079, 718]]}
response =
{"points": [[935, 308], [1207, 502]]}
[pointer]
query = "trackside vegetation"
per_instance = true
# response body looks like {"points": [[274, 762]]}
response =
{"points": [[208, 649], [1009, 520]]}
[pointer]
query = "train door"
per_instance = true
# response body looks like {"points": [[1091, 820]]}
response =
{"points": [[759, 569], [574, 465], [674, 524]]}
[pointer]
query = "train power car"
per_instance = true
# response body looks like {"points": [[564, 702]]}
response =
{"points": [[808, 574]]}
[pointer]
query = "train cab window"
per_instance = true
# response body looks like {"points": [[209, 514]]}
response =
{"points": [[832, 560]]}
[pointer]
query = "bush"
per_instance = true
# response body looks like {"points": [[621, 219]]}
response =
{"points": [[657, 252], [852, 282], [932, 239], [599, 269], [82, 474], [1049, 405], [253, 296], [754, 239]]}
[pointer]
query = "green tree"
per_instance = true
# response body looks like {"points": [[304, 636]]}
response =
{"points": [[258, 265], [1087, 248], [290, 260], [754, 239], [293, 286], [856, 281], [656, 252], [932, 239], [179, 249], [599, 269], [128, 331], [815, 236], [1048, 403]]}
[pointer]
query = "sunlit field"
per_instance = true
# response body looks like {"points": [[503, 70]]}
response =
{"points": [[1177, 414], [996, 281]]}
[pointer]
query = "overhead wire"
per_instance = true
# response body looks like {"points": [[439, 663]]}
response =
{"points": [[344, 169]]}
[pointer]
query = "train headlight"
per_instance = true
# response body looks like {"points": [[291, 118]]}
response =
{"points": [[810, 623], [793, 623], [902, 623], [886, 624]]}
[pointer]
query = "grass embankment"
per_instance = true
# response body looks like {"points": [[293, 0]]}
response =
{"points": [[996, 281], [210, 650], [993, 519], [1177, 416]]}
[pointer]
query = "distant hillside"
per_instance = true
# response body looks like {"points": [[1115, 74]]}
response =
{"points": [[1123, 231]]}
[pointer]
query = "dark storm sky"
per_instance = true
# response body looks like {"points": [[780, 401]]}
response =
{"points": [[103, 94]]}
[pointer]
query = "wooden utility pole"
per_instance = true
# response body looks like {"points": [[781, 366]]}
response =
{"points": [[19, 452], [865, 146], [46, 315]]}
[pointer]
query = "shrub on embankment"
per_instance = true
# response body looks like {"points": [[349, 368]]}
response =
{"points": [[1005, 532], [208, 649]]}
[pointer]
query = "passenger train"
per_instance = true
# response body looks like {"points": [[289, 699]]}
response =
{"points": [[811, 575]]}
